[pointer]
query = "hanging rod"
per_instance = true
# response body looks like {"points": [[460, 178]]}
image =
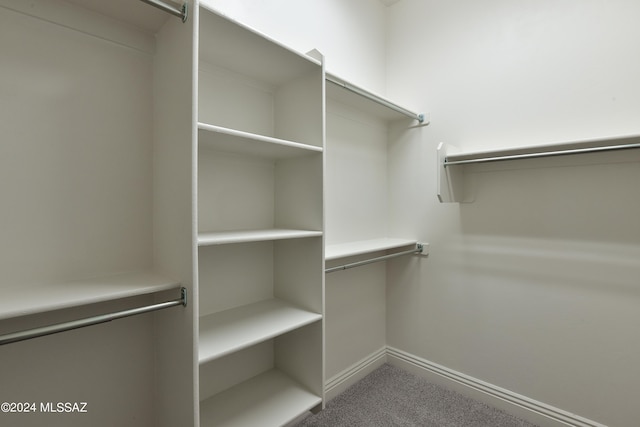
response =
{"points": [[89, 321], [541, 154], [375, 98], [418, 250], [180, 12]]}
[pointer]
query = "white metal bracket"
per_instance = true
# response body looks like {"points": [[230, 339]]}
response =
{"points": [[450, 180], [422, 249]]}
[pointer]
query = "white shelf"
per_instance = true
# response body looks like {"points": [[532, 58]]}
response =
{"points": [[232, 330], [450, 177], [245, 236], [360, 247], [547, 150], [363, 100], [22, 301], [269, 399], [235, 141]]}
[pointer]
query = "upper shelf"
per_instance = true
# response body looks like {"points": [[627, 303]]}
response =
{"points": [[451, 177], [22, 301], [548, 150], [378, 106]]}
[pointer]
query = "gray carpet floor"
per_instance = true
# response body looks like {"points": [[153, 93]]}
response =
{"points": [[390, 396]]}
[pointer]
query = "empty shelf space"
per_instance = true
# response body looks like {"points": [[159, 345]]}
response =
{"points": [[232, 330], [269, 399], [246, 236], [262, 58], [235, 141], [26, 300], [343, 250]]}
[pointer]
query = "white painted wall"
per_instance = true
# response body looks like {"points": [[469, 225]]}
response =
{"points": [[534, 287], [350, 34]]}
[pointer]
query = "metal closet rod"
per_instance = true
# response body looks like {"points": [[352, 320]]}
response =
{"points": [[418, 250], [180, 12], [541, 154], [89, 321], [375, 98]]}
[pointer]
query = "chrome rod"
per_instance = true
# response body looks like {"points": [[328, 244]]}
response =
{"points": [[541, 154], [89, 321], [377, 99], [416, 251], [180, 12]]}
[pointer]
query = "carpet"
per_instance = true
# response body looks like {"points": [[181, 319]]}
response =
{"points": [[390, 396]]}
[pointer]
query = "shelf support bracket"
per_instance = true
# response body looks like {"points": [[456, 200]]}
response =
{"points": [[450, 181]]}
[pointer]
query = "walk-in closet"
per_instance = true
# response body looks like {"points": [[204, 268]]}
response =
{"points": [[230, 213]]}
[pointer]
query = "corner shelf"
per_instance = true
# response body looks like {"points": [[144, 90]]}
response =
{"points": [[239, 142], [36, 299], [271, 398], [238, 328], [247, 236]]}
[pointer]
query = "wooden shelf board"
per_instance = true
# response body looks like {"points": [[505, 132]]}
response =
{"points": [[232, 330], [343, 250], [22, 301], [269, 399], [245, 236], [235, 141]]}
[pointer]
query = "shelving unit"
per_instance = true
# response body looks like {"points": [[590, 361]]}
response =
{"points": [[213, 181], [260, 227]]}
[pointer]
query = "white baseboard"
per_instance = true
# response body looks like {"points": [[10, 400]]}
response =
{"points": [[518, 405], [354, 373], [521, 406]]}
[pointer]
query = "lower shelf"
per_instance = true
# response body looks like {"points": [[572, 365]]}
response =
{"points": [[343, 250], [269, 399]]}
